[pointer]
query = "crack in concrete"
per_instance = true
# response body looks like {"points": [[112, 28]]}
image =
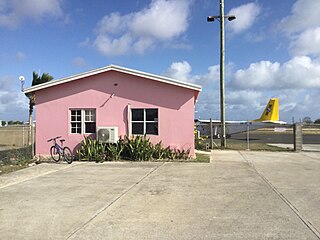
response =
{"points": [[304, 220]]}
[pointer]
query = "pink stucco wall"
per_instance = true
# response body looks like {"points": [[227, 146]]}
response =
{"points": [[175, 108]]}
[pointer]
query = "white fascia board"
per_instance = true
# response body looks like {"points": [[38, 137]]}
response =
{"points": [[117, 69], [158, 78], [67, 79]]}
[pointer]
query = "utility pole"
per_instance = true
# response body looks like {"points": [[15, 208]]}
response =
{"points": [[221, 18], [222, 99]]}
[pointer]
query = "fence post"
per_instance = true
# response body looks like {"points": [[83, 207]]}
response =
{"points": [[297, 137], [32, 141], [248, 136], [22, 135], [211, 134]]}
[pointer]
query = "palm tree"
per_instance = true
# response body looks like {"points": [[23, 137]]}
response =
{"points": [[36, 80]]}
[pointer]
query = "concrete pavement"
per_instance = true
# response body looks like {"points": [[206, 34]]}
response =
{"points": [[239, 195]]}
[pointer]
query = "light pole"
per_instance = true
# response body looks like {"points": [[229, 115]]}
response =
{"points": [[30, 135], [21, 79], [221, 18]]}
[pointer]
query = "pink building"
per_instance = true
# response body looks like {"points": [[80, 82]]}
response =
{"points": [[116, 99]]}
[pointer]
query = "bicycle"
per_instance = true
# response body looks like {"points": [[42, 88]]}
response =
{"points": [[56, 151]]}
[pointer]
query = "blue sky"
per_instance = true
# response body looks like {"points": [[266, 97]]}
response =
{"points": [[272, 49]]}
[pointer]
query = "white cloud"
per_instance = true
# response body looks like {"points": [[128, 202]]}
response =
{"points": [[304, 15], [113, 47], [139, 31], [213, 74], [182, 71], [142, 44], [245, 17], [258, 76], [243, 96], [113, 23], [12, 101], [296, 83], [14, 12], [307, 43], [163, 19], [302, 27], [179, 71], [6, 82], [299, 72]]}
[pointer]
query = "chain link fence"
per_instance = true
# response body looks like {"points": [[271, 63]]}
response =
{"points": [[257, 136], [311, 137]]}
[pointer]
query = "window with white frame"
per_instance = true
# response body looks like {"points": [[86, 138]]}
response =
{"points": [[144, 121], [83, 121]]}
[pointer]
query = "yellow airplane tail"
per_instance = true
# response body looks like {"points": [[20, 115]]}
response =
{"points": [[271, 112]]}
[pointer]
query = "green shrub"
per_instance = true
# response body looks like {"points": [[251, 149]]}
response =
{"points": [[181, 154], [135, 148], [159, 152], [201, 143], [20, 156], [114, 151], [91, 150]]}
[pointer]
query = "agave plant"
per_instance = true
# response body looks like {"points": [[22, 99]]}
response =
{"points": [[114, 151], [158, 151], [138, 148], [91, 150]]}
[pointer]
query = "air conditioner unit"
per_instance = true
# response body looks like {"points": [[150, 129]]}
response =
{"points": [[107, 134]]}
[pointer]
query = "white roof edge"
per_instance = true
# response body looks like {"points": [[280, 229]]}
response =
{"points": [[116, 68]]}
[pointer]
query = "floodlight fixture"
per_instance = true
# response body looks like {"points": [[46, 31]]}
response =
{"points": [[21, 79]]}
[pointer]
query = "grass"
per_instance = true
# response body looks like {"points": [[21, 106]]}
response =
{"points": [[14, 159], [11, 168], [202, 158], [238, 145], [233, 144]]}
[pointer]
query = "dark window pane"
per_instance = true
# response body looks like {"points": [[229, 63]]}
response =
{"points": [[75, 127], [137, 128], [152, 129], [90, 127], [137, 114], [152, 114], [73, 118]]}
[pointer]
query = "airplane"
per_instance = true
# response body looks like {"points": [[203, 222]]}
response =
{"points": [[269, 118]]}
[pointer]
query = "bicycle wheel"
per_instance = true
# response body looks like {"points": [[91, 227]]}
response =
{"points": [[67, 155], [55, 154]]}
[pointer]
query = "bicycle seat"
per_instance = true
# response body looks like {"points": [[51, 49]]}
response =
{"points": [[62, 140]]}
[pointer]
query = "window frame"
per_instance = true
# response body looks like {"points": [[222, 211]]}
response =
{"points": [[83, 121], [144, 121]]}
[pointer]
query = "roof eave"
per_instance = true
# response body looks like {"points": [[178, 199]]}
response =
{"points": [[118, 69]]}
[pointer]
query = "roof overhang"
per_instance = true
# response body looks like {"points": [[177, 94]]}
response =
{"points": [[196, 88]]}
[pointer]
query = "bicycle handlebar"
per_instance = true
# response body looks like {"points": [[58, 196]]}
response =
{"points": [[53, 139]]}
